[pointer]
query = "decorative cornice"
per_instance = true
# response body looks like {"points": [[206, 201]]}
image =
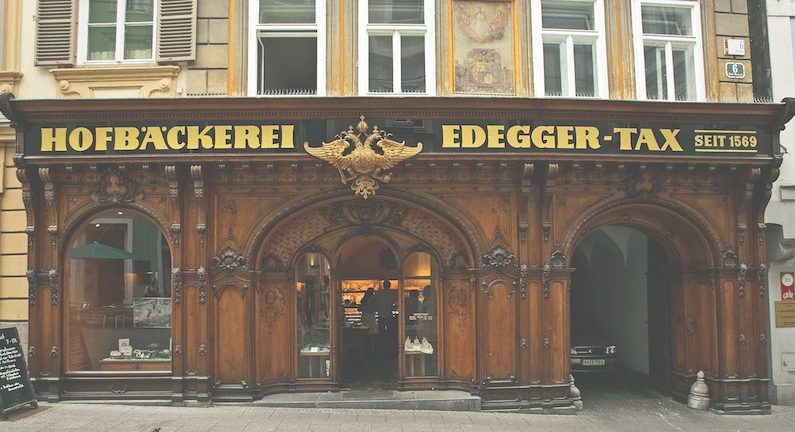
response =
{"points": [[149, 80]]}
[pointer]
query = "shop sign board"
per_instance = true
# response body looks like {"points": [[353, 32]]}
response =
{"points": [[15, 388], [788, 286], [785, 314], [449, 137]]}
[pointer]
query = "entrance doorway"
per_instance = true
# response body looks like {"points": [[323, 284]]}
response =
{"points": [[621, 312], [369, 281]]}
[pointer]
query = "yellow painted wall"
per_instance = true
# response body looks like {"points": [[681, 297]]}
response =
{"points": [[13, 243]]}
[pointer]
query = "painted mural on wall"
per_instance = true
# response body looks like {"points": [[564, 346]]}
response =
{"points": [[482, 43]]}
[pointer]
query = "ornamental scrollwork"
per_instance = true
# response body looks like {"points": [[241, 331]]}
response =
{"points": [[116, 187], [499, 257], [229, 260]]}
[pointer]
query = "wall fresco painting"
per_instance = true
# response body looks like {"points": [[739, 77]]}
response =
{"points": [[483, 47]]}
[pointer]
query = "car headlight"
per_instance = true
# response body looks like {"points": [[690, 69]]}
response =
{"points": [[610, 350]]}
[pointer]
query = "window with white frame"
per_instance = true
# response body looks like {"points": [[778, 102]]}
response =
{"points": [[668, 55], [396, 47], [288, 37], [117, 31], [569, 48]]}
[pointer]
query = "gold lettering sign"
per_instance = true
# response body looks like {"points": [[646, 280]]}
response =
{"points": [[557, 138], [162, 138]]}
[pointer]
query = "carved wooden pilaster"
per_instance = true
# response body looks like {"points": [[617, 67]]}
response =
{"points": [[174, 206], [526, 193], [548, 213], [199, 203], [46, 175]]}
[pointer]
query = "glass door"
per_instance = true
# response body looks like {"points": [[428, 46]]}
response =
{"points": [[314, 317]]}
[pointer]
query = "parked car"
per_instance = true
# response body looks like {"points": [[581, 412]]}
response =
{"points": [[593, 351]]}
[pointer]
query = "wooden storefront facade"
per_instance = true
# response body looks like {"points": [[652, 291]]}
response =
{"points": [[500, 221]]}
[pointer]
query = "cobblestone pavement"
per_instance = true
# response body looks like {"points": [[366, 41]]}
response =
{"points": [[644, 415]]}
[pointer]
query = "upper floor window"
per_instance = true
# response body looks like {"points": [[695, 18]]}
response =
{"points": [[569, 47], [668, 55], [396, 47], [117, 31], [289, 40]]}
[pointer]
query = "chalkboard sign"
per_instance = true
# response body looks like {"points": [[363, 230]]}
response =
{"points": [[15, 388]]}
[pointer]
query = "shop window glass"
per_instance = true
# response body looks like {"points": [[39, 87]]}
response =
{"points": [[420, 310], [572, 38], [668, 50], [289, 41], [119, 30], [313, 316], [395, 47], [119, 291]]}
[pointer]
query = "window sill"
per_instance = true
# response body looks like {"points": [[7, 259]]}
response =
{"points": [[116, 81]]}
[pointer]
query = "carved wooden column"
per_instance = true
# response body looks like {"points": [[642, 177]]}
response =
{"points": [[196, 348], [179, 323]]}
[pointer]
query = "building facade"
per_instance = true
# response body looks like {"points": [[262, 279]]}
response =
{"points": [[212, 187], [782, 207]]}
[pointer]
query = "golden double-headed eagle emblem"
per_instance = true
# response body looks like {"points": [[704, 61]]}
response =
{"points": [[363, 166]]}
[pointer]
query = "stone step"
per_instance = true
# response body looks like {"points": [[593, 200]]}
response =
{"points": [[439, 400]]}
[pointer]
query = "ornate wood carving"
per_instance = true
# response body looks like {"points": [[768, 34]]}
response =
{"points": [[52, 275], [761, 275], [272, 301], [198, 201], [46, 176], [30, 210], [553, 170], [646, 184], [741, 278], [499, 257], [557, 259], [116, 187], [176, 275], [228, 260], [546, 274], [201, 277], [729, 259], [30, 274], [460, 302]]}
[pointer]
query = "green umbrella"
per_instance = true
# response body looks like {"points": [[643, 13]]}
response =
{"points": [[96, 250]]}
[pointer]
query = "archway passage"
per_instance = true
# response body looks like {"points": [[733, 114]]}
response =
{"points": [[621, 332]]}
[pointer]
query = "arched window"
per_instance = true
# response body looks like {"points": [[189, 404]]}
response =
{"points": [[119, 295], [421, 315]]}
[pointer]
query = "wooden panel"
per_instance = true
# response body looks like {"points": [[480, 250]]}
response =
{"points": [[500, 341], [231, 346], [274, 350], [459, 330]]}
